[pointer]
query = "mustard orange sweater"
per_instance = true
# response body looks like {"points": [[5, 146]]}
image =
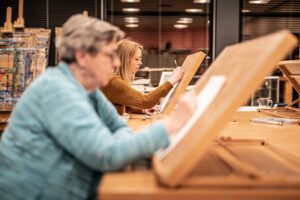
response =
{"points": [[126, 98]]}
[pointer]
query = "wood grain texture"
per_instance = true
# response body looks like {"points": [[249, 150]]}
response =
{"points": [[143, 185], [189, 66], [244, 66]]}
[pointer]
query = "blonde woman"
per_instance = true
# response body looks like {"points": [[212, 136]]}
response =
{"points": [[119, 91]]}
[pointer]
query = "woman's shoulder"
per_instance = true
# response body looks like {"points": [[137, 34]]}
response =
{"points": [[117, 80], [115, 85]]}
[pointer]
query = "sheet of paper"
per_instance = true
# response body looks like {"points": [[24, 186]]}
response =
{"points": [[248, 109], [204, 99], [274, 120], [164, 77], [165, 101]]}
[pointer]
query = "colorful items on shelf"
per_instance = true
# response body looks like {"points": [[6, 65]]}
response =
{"points": [[23, 57]]}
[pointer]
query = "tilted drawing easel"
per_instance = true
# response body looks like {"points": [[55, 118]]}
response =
{"points": [[199, 158], [189, 66], [291, 71]]}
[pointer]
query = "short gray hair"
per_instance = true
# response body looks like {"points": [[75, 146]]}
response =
{"points": [[83, 32]]}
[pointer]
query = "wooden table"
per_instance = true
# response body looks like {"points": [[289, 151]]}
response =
{"points": [[143, 185], [240, 127]]}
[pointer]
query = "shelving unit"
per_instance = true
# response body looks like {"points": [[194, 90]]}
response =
{"points": [[23, 57]]}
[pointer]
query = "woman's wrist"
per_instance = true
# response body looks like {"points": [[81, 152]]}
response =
{"points": [[171, 81]]}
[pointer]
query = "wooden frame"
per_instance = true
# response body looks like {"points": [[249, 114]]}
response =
{"points": [[189, 66], [242, 163], [291, 71], [286, 112], [243, 75]]}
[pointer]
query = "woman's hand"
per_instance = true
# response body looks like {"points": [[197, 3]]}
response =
{"points": [[152, 110], [187, 105], [176, 76]]}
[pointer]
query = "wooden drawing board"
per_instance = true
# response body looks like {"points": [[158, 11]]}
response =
{"points": [[243, 65], [189, 66], [291, 71]]}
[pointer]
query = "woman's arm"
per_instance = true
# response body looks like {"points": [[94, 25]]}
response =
{"points": [[119, 92], [101, 142]]}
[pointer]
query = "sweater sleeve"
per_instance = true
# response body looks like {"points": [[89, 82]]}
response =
{"points": [[119, 92], [110, 117], [102, 143]]}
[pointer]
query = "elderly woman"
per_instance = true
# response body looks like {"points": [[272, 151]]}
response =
{"points": [[119, 91], [64, 134]]}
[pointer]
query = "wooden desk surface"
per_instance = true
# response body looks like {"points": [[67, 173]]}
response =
{"points": [[240, 127], [143, 185]]}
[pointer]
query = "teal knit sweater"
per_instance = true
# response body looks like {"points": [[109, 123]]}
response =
{"points": [[61, 139]]}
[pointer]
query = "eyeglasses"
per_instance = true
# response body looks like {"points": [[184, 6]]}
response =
{"points": [[138, 59]]}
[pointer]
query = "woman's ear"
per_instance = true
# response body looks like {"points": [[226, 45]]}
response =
{"points": [[80, 57]]}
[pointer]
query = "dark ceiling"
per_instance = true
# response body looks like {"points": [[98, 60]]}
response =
{"points": [[153, 12], [167, 12]]}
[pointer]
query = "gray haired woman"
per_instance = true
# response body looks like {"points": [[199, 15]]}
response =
{"points": [[64, 134]]}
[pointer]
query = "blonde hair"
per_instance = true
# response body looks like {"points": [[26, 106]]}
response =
{"points": [[85, 33], [126, 50]]}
